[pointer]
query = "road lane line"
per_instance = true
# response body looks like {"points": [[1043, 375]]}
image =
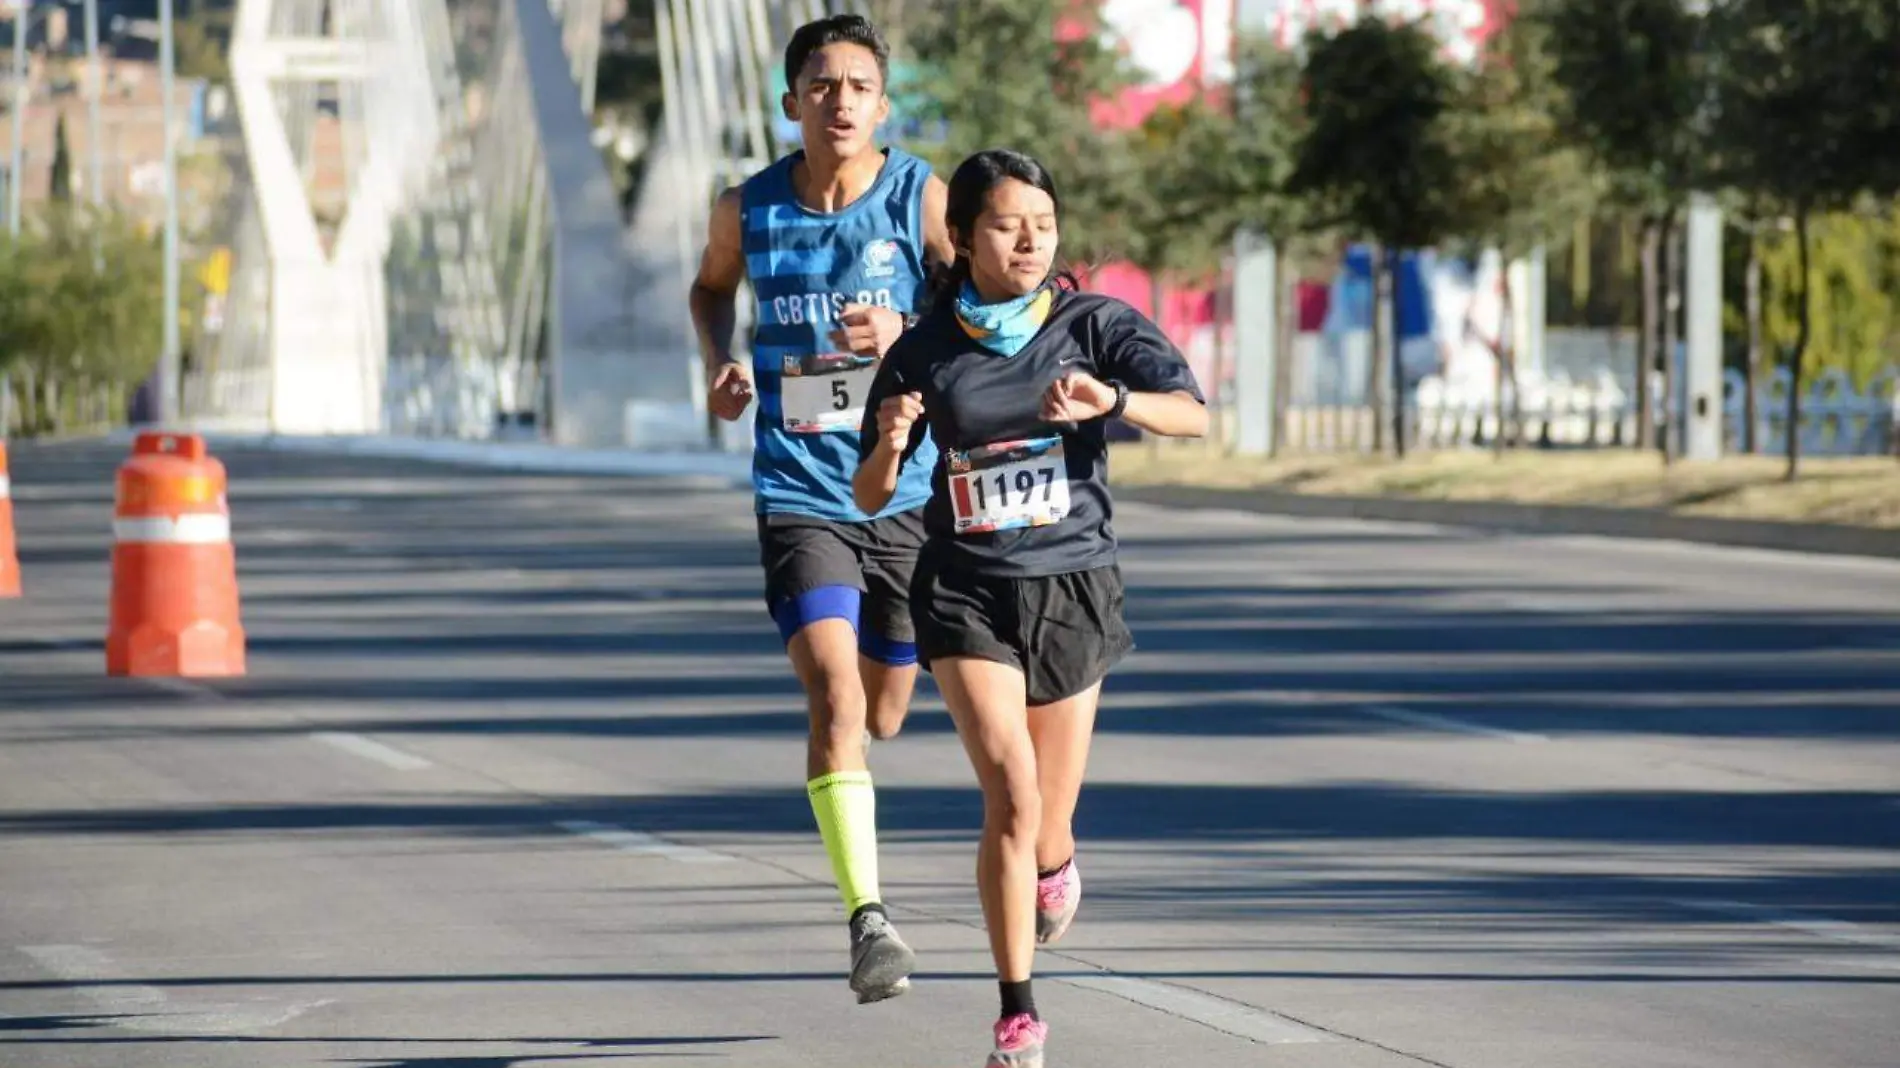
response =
{"points": [[1219, 1014], [146, 1008], [368, 749], [1446, 723], [181, 687], [1886, 964], [1819, 926], [642, 843]]}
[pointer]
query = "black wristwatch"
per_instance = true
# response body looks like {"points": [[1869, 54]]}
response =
{"points": [[1121, 402]]}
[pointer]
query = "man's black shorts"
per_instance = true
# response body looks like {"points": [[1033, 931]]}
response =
{"points": [[802, 554], [1064, 631]]}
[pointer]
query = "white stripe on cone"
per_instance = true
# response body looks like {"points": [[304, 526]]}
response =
{"points": [[6, 487], [190, 529]]}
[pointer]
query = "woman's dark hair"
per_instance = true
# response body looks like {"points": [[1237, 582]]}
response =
{"points": [[838, 29], [969, 194]]}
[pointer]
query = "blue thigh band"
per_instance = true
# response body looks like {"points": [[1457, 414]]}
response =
{"points": [[887, 651], [793, 614]]}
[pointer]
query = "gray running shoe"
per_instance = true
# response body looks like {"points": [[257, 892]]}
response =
{"points": [[1057, 898], [1019, 1042], [880, 961]]}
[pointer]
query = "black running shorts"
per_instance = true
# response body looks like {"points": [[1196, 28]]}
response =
{"points": [[803, 554], [1063, 631]]}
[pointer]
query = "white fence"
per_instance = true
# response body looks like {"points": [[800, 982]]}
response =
{"points": [[1837, 419]]}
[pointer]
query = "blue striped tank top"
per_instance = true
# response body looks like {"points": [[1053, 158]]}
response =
{"points": [[805, 266]]}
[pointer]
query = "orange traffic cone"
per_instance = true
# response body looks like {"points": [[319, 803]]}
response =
{"points": [[174, 572], [9, 551]]}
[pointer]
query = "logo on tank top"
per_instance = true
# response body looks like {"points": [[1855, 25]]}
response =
{"points": [[880, 259]]}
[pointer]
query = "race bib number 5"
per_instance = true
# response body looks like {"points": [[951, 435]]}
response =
{"points": [[1008, 485], [823, 392]]}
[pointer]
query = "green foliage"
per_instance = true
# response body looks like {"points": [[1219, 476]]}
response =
{"points": [[1633, 77], [1802, 126], [1522, 184], [1856, 307], [1381, 155], [1378, 154], [1806, 100], [200, 45], [61, 180], [997, 74], [1271, 122], [1188, 201], [81, 299]]}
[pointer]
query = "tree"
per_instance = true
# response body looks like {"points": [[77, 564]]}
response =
{"points": [[1522, 184], [1179, 209], [1270, 123], [1805, 95], [61, 179], [73, 320], [1632, 79], [1854, 313], [200, 43], [1378, 153], [1055, 68], [1189, 176]]}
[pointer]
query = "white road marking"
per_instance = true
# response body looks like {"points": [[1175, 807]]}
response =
{"points": [[1887, 964], [146, 1008], [1446, 723], [369, 749], [642, 843], [1219, 1014], [1734, 553], [181, 687], [1819, 926]]}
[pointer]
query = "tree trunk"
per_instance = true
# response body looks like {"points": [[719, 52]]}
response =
{"points": [[1497, 382], [1672, 421], [1800, 348], [1398, 361], [1376, 374], [1216, 389], [1506, 358], [1284, 330], [1157, 296], [1646, 340], [1751, 405]]}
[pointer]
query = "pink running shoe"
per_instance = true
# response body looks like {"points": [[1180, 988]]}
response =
{"points": [[1019, 1041], [1057, 898]]}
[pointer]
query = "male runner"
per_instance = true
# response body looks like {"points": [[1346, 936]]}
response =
{"points": [[836, 240]]}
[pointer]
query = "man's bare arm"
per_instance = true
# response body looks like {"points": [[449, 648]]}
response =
{"points": [[938, 249], [721, 269]]}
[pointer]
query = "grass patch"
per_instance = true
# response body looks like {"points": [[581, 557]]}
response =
{"points": [[1860, 491]]}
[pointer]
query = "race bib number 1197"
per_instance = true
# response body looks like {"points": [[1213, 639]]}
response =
{"points": [[1008, 485], [825, 392]]}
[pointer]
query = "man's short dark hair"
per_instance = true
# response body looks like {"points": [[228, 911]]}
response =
{"points": [[838, 29]]}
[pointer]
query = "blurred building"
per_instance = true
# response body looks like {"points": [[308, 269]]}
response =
{"points": [[131, 134], [132, 126]]}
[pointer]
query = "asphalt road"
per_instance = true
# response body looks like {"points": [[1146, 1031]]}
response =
{"points": [[515, 779]]}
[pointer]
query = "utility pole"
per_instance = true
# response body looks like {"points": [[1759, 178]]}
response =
{"points": [[95, 126], [22, 20], [168, 371]]}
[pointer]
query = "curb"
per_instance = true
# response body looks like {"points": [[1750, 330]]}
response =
{"points": [[510, 456], [1828, 538]]}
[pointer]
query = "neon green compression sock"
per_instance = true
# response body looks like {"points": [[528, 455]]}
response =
{"points": [[846, 807]]}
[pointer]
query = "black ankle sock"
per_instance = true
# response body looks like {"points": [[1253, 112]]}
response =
{"points": [[871, 907], [1041, 875], [1017, 999]]}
